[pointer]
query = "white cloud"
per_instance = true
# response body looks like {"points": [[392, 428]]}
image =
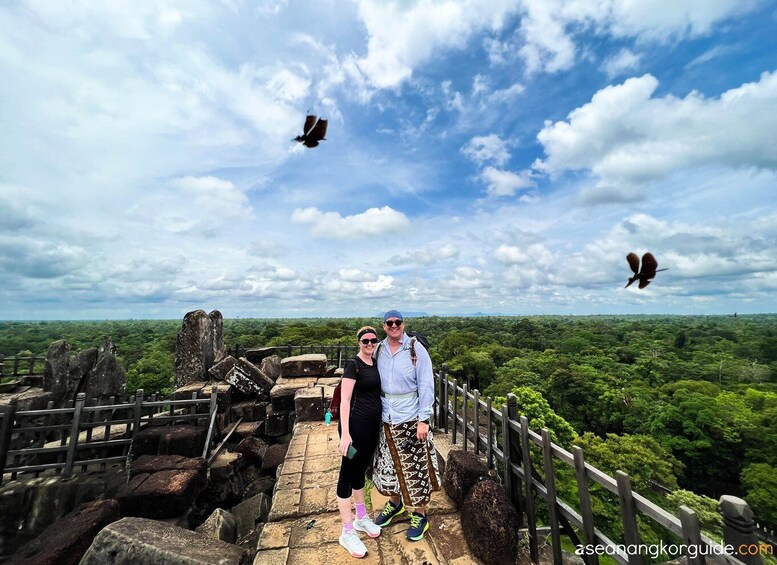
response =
{"points": [[215, 196], [505, 183], [486, 148], [428, 255], [405, 35], [370, 223], [625, 135], [620, 63]]}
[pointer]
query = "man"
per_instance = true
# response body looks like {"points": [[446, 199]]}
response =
{"points": [[405, 467]]}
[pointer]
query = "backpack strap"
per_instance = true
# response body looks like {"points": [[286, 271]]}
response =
{"points": [[413, 355]]}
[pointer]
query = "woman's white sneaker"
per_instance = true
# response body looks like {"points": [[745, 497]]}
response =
{"points": [[367, 526], [353, 544]]}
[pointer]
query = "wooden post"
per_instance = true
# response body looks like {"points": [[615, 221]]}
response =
{"points": [[2, 367], [515, 455], [212, 408], [476, 420], [137, 413], [15, 365], [628, 516], [193, 409], [9, 416], [508, 469], [74, 429], [550, 485], [339, 355], [444, 375], [464, 413], [490, 437], [531, 518], [31, 365], [691, 534], [586, 510], [455, 409]]}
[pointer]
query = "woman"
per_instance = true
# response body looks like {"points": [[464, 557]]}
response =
{"points": [[359, 427]]}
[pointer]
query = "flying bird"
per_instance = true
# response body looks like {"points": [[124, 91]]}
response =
{"points": [[313, 131], [648, 271]]}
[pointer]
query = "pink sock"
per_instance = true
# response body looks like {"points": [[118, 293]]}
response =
{"points": [[361, 510], [348, 527]]}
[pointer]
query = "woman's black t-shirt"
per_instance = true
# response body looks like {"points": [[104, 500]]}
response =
{"points": [[365, 402]]}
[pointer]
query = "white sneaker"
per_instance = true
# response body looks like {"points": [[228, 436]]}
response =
{"points": [[353, 544], [367, 526]]}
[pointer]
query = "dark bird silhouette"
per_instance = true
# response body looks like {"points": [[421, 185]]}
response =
{"points": [[648, 271], [313, 131]]}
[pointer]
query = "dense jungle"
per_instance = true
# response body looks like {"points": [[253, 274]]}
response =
{"points": [[687, 406]]}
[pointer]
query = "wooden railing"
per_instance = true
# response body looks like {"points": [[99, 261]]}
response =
{"points": [[89, 434], [25, 365], [504, 439]]}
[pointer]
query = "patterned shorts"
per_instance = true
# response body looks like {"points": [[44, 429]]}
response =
{"points": [[404, 466]]}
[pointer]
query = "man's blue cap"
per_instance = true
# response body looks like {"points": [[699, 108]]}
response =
{"points": [[392, 314]]}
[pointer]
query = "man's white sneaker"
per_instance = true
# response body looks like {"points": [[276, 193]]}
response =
{"points": [[367, 526], [353, 544]]}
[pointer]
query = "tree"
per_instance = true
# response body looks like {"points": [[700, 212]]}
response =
{"points": [[760, 482]]}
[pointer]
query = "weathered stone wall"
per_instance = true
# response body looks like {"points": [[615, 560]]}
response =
{"points": [[199, 346]]}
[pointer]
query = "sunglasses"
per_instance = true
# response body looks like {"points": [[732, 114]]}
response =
{"points": [[390, 323], [373, 341]]}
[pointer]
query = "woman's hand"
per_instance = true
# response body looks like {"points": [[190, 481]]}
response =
{"points": [[345, 441]]}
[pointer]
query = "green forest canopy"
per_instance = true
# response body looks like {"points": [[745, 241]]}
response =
{"points": [[697, 393]]}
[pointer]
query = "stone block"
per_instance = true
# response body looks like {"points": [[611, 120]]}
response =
{"points": [[65, 541], [490, 523], [276, 422], [138, 541], [226, 484], [271, 366], [273, 457], [247, 429], [243, 383], [258, 354], [181, 439], [253, 449], [153, 463], [185, 392], [312, 364], [262, 485], [463, 470], [220, 370], [198, 346], [164, 494], [245, 409], [250, 512], [310, 404], [220, 525], [255, 374], [223, 394], [260, 410]]}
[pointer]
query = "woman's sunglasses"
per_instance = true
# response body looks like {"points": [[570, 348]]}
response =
{"points": [[391, 323], [373, 341]]}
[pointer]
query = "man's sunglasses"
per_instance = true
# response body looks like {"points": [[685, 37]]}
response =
{"points": [[373, 341], [390, 323]]}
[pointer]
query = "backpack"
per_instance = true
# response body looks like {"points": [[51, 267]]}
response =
{"points": [[334, 406], [414, 336]]}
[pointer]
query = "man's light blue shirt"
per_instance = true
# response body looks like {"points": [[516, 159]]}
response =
{"points": [[398, 376]]}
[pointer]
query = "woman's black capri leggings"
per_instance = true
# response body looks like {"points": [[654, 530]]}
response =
{"points": [[365, 440]]}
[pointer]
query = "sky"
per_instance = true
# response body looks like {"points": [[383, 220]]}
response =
{"points": [[483, 156]]}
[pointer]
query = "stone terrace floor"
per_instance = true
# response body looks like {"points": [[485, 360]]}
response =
{"points": [[306, 492]]}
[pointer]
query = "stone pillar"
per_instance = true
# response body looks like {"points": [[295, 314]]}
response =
{"points": [[739, 529]]}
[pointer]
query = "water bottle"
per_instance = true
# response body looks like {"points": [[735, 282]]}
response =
{"points": [[328, 417]]}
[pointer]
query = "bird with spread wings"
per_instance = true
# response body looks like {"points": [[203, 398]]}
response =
{"points": [[313, 131]]}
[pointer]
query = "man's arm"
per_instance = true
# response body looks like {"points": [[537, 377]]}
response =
{"points": [[425, 381]]}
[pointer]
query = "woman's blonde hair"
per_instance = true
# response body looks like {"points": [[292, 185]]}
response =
{"points": [[364, 330]]}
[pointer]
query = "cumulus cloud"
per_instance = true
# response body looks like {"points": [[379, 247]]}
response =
{"points": [[623, 61], [405, 35], [626, 135], [548, 26], [485, 148], [428, 255], [215, 195], [505, 183], [370, 223]]}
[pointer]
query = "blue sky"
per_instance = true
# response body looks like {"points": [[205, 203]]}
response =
{"points": [[482, 156]]}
